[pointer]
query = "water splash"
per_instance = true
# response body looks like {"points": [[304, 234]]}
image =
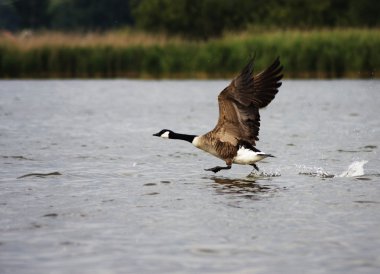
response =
{"points": [[355, 169], [314, 172], [264, 174]]}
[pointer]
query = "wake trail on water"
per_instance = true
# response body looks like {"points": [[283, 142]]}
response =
{"points": [[355, 169], [263, 174]]}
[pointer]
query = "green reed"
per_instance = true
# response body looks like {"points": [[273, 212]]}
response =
{"points": [[304, 54]]}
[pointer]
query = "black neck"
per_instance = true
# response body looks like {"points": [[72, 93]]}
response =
{"points": [[184, 137]]}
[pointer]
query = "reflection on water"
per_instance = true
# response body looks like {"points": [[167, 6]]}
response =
{"points": [[246, 188]]}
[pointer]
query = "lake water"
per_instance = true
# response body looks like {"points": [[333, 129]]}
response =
{"points": [[122, 201]]}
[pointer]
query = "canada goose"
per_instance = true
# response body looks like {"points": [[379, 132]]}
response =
{"points": [[234, 137]]}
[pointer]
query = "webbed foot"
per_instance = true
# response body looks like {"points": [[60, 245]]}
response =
{"points": [[217, 168]]}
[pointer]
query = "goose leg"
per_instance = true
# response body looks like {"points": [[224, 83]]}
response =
{"points": [[255, 167], [217, 168]]}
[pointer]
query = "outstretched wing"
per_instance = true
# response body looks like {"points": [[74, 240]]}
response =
{"points": [[239, 103]]}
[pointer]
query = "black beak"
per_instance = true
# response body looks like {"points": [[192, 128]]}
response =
{"points": [[156, 134]]}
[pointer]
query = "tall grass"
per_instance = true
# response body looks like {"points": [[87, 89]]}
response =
{"points": [[316, 54]]}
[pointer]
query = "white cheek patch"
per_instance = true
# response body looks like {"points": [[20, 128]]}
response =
{"points": [[165, 135], [196, 142]]}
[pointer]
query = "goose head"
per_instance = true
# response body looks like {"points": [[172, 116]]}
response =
{"points": [[165, 133]]}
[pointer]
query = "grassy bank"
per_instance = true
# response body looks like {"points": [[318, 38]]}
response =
{"points": [[352, 53]]}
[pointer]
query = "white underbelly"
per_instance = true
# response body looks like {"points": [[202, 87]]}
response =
{"points": [[246, 156]]}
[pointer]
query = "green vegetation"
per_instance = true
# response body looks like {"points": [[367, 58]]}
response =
{"points": [[324, 53], [187, 38]]}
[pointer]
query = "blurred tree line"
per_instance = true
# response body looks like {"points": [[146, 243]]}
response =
{"points": [[189, 18], [73, 15]]}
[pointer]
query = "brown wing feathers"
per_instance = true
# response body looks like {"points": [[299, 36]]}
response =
{"points": [[266, 84], [239, 103], [241, 88]]}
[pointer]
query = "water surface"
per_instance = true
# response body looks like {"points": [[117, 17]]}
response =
{"points": [[104, 196]]}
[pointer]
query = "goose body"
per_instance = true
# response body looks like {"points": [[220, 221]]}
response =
{"points": [[234, 137]]}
